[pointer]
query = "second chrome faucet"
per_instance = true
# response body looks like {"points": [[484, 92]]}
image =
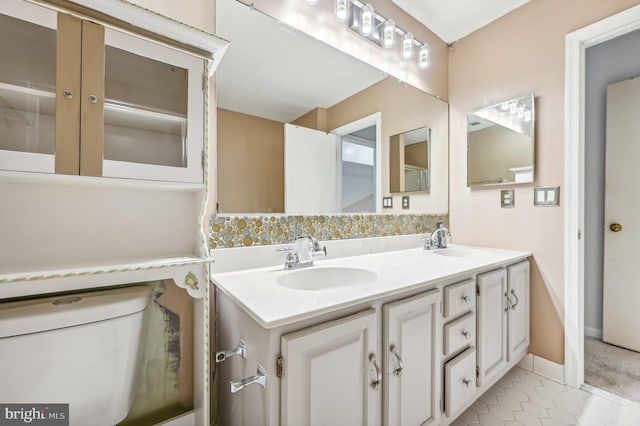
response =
{"points": [[438, 238]]}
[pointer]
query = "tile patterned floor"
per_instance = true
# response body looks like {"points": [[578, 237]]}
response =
{"points": [[524, 398]]}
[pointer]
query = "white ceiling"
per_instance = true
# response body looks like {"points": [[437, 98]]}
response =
{"points": [[274, 72], [453, 19]]}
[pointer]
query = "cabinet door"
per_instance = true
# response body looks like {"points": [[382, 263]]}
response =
{"points": [[153, 110], [518, 337], [411, 391], [331, 375], [28, 46], [492, 324]]}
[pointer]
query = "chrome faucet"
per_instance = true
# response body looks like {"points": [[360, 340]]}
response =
{"points": [[438, 238], [307, 248]]}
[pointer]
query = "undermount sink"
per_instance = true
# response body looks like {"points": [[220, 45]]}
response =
{"points": [[462, 252], [319, 278]]}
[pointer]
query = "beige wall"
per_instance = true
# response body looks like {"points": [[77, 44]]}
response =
{"points": [[314, 119], [197, 13], [520, 53], [250, 164]]}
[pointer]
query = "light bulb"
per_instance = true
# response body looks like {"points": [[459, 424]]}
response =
{"points": [[407, 46], [341, 10], [505, 106], [366, 20], [388, 34], [312, 2], [520, 111], [424, 57], [513, 107], [528, 115]]}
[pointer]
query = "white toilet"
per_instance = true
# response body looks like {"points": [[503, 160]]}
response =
{"points": [[82, 349]]}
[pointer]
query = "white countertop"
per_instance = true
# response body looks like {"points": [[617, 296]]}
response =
{"points": [[272, 305]]}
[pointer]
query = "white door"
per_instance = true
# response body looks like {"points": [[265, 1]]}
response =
{"points": [[310, 171], [331, 375], [492, 324], [621, 293], [411, 392], [518, 336]]}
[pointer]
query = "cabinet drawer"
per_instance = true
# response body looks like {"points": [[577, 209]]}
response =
{"points": [[459, 297], [459, 381], [460, 333]]}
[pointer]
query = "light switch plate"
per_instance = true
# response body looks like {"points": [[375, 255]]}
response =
{"points": [[405, 201], [546, 196], [387, 202], [507, 198]]}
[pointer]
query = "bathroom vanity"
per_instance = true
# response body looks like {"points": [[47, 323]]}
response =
{"points": [[409, 336]]}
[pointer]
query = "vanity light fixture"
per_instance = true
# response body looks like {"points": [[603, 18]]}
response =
{"points": [[424, 56], [407, 45], [520, 110], [363, 19], [528, 115], [342, 9], [513, 107], [388, 34], [367, 19], [505, 106]]}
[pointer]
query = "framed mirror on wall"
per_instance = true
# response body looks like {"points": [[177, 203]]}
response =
{"points": [[288, 109], [501, 143]]}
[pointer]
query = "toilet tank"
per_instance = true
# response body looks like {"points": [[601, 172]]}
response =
{"points": [[81, 349]]}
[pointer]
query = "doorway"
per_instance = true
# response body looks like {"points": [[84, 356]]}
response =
{"points": [[582, 228]]}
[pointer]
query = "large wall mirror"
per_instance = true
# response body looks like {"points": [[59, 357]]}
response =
{"points": [[305, 128], [500, 143]]}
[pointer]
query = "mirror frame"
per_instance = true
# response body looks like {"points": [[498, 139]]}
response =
{"points": [[532, 99]]}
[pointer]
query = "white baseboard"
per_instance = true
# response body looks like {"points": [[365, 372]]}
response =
{"points": [[543, 367], [596, 333]]}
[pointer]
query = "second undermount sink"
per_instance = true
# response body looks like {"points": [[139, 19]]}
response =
{"points": [[319, 278], [462, 252]]}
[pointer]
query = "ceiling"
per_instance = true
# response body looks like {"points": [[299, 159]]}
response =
{"points": [[453, 19]]}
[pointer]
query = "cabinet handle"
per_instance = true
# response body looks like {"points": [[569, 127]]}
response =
{"points": [[93, 99], [466, 298], [517, 300], [466, 334], [260, 378], [509, 302], [397, 371], [240, 349], [467, 382], [67, 94], [375, 385]]}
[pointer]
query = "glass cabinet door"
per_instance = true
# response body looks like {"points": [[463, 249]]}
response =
{"points": [[153, 110], [27, 87]]}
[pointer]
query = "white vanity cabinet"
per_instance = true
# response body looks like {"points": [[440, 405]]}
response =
{"points": [[410, 357], [503, 320], [411, 391], [332, 373], [81, 98]]}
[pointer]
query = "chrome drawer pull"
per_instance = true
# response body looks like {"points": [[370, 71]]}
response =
{"points": [[397, 371], [517, 300], [259, 379], [466, 334], [466, 298], [467, 382], [375, 384], [509, 302]]}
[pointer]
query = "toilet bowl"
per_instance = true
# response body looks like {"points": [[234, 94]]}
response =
{"points": [[81, 349]]}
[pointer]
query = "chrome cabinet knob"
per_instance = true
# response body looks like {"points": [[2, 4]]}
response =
{"points": [[466, 334], [67, 94], [93, 99], [466, 298], [467, 382]]}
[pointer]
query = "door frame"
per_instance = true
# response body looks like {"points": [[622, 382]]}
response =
{"points": [[359, 124], [576, 44]]}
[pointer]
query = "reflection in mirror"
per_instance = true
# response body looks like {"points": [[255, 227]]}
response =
{"points": [[500, 143], [304, 128], [409, 156]]}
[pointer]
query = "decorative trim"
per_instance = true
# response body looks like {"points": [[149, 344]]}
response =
{"points": [[543, 367], [89, 272], [244, 231]]}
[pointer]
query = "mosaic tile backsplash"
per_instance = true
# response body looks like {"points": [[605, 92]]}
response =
{"points": [[242, 231]]}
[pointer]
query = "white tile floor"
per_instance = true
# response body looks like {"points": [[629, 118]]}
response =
{"points": [[524, 398]]}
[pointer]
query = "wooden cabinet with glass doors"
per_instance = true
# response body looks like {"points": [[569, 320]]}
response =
{"points": [[80, 98]]}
